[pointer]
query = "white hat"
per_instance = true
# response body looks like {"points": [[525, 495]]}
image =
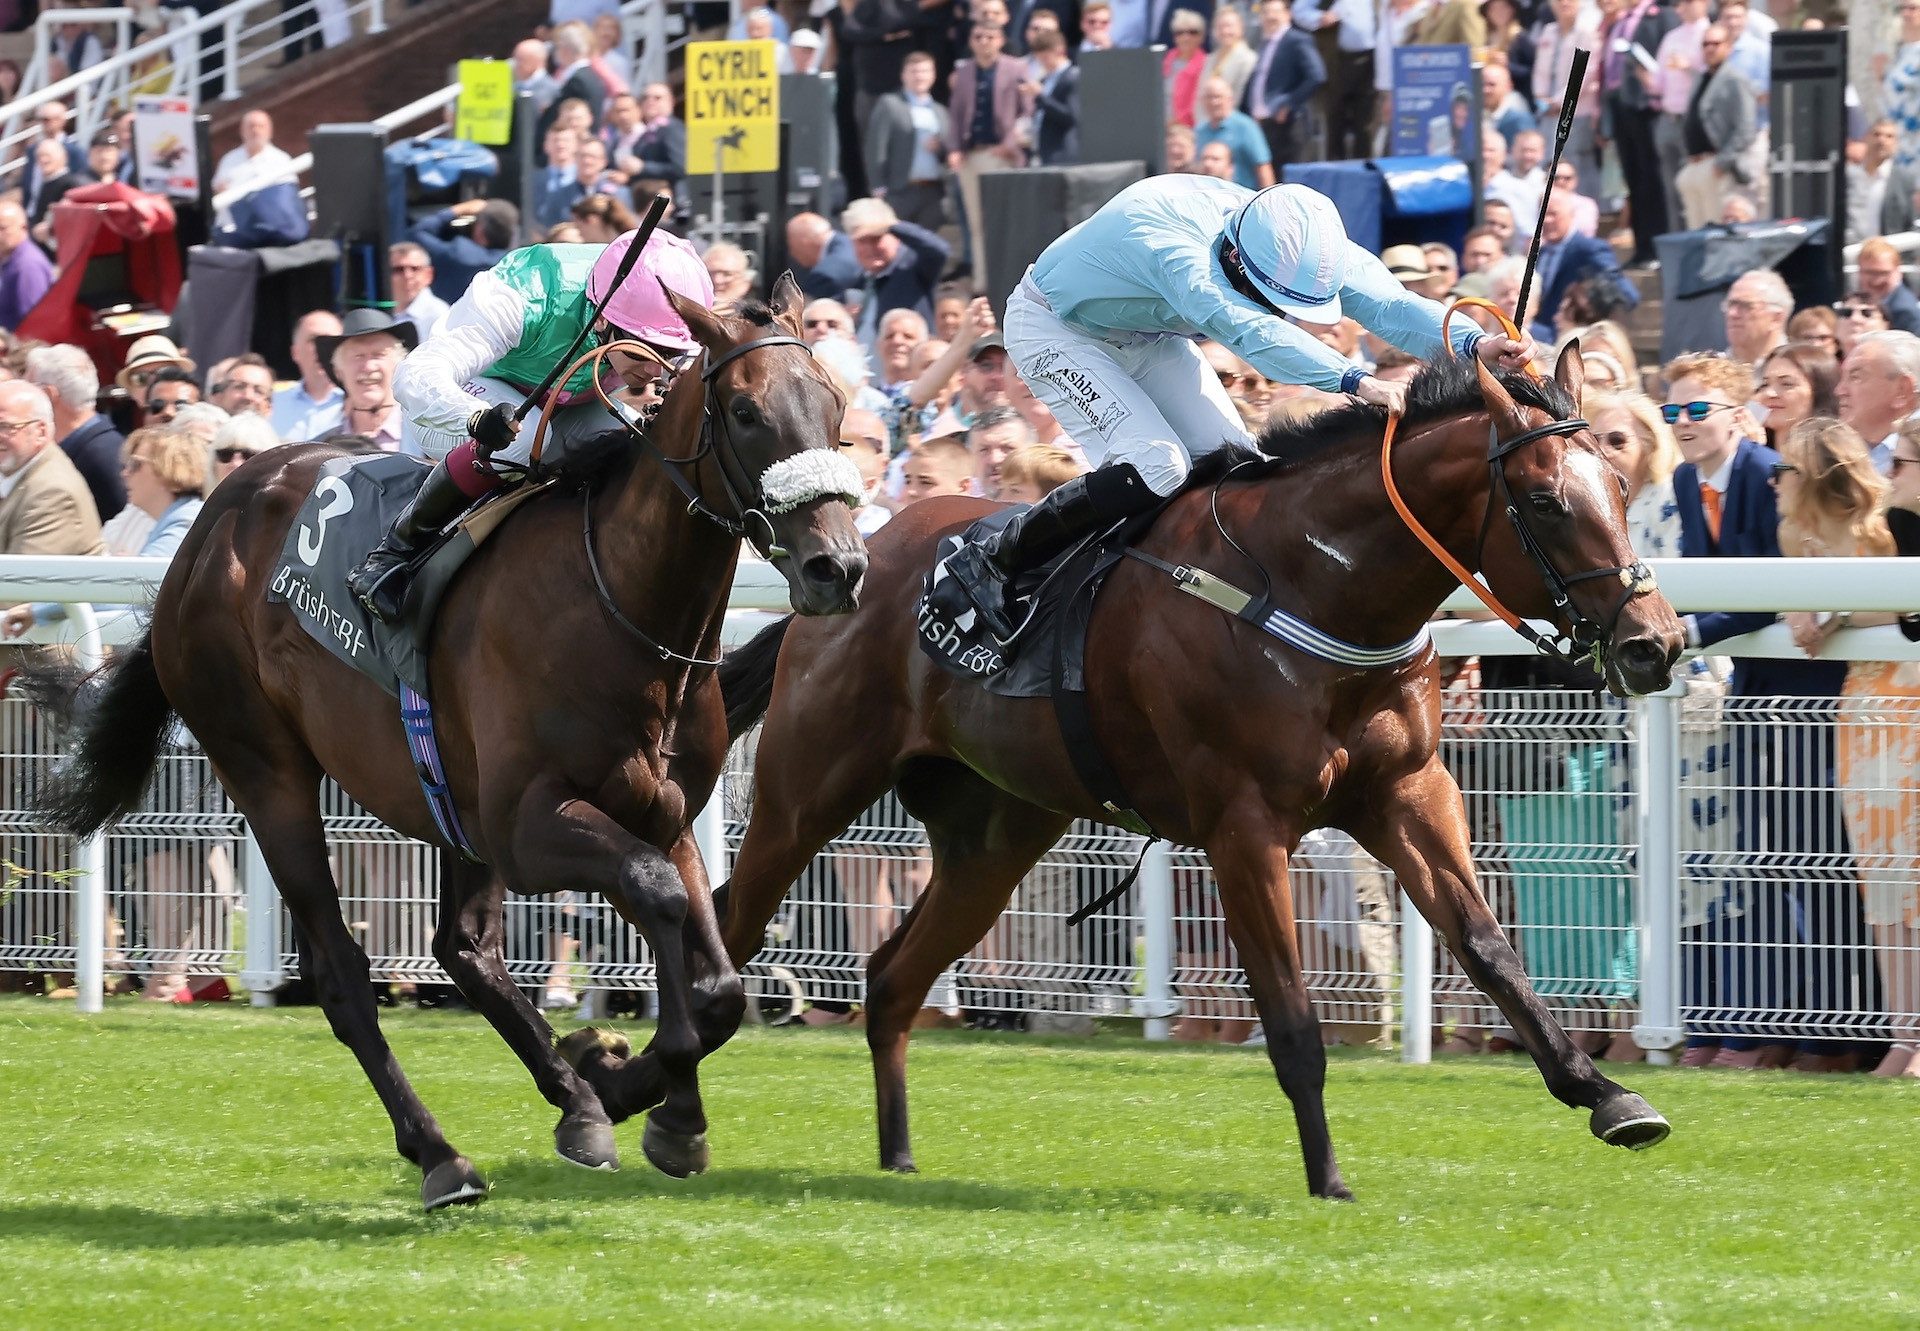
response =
{"points": [[1292, 244], [806, 39]]}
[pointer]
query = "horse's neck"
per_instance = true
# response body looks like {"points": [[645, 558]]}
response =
{"points": [[1338, 553]]}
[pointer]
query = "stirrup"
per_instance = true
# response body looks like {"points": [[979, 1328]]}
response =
{"points": [[371, 597], [981, 580]]}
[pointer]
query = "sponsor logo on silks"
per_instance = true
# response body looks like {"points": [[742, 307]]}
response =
{"points": [[1040, 363], [310, 601], [1086, 397]]}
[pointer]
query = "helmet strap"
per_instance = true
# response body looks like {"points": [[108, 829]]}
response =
{"points": [[1238, 279]]}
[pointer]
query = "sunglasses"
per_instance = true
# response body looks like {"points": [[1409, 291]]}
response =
{"points": [[1696, 411], [1780, 469], [162, 407], [1855, 311], [231, 454], [408, 268], [822, 323]]}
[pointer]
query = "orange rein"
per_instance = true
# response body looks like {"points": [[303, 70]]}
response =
{"points": [[593, 358], [1439, 551]]}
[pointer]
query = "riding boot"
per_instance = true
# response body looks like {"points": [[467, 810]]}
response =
{"points": [[381, 583], [1074, 510]]}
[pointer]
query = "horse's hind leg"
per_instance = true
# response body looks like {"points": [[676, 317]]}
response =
{"points": [[983, 842], [468, 944], [280, 801], [1421, 834], [1249, 858]]}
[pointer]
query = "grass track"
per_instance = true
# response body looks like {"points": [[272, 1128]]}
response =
{"points": [[230, 1168]]}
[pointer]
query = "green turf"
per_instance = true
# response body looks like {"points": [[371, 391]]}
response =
{"points": [[229, 1167]]}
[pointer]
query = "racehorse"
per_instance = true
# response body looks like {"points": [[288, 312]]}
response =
{"points": [[578, 713], [1224, 738]]}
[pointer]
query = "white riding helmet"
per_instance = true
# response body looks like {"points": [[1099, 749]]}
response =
{"points": [[1292, 245]]}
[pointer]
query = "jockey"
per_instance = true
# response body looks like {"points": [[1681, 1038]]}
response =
{"points": [[460, 388], [1102, 329]]}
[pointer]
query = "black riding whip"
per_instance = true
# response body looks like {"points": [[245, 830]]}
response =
{"points": [[1569, 102], [655, 211]]}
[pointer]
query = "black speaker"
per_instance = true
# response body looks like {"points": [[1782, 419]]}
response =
{"points": [[1809, 125], [1123, 114], [813, 142], [350, 205], [1026, 211]]}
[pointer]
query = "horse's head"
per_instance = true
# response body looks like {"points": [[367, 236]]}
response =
{"points": [[771, 420], [1565, 554]]}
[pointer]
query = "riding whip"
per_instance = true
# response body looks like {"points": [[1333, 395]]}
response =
{"points": [[1569, 103], [655, 211]]}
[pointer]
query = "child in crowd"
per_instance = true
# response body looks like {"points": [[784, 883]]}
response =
{"points": [[1030, 474], [939, 466]]}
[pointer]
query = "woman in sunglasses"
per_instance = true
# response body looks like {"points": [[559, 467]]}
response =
{"points": [[1640, 445], [1859, 315], [1797, 381], [1834, 503]]}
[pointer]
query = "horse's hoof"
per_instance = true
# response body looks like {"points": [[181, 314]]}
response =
{"points": [[587, 1144], [905, 1166], [453, 1183], [1629, 1121], [588, 1041], [1339, 1192], [675, 1154]]}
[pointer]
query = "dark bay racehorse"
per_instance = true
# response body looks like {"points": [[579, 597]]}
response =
{"points": [[1225, 739], [577, 752]]}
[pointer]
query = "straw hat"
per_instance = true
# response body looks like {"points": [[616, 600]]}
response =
{"points": [[153, 352]]}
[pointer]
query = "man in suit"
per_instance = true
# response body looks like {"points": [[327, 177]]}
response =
{"points": [[1716, 133], [655, 158], [877, 36], [57, 176], [47, 508], [1782, 774], [1879, 191], [1629, 50], [900, 264], [983, 126], [1055, 90], [1567, 257], [68, 377], [1285, 78], [51, 118], [906, 144], [821, 259], [1139, 23], [557, 185], [572, 50], [458, 258]]}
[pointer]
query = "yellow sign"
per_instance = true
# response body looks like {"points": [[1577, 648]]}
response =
{"points": [[733, 107], [484, 113]]}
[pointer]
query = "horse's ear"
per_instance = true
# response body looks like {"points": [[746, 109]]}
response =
{"points": [[1570, 372], [1500, 403], [786, 301], [708, 329]]}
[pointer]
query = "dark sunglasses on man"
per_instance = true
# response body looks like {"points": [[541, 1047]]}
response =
{"points": [[1696, 411], [164, 407], [1854, 311]]}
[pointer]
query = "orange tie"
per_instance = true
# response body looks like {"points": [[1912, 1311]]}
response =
{"points": [[1710, 505]]}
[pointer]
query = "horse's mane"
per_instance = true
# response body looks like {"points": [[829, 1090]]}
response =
{"points": [[1445, 388]]}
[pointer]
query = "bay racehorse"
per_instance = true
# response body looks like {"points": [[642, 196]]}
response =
{"points": [[1224, 738], [578, 714]]}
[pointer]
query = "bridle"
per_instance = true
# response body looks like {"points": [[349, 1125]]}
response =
{"points": [[1584, 638]]}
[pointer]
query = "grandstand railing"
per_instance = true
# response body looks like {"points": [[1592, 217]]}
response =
{"points": [[1604, 834]]}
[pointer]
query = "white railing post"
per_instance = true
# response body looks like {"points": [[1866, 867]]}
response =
{"points": [[260, 968], [710, 833], [1157, 1004], [90, 858], [1416, 984], [229, 59], [1657, 789], [376, 17]]}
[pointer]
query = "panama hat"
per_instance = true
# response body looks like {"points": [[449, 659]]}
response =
{"points": [[150, 353]]}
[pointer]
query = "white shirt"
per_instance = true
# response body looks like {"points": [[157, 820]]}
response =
{"points": [[426, 313], [298, 416], [1866, 193], [247, 172]]}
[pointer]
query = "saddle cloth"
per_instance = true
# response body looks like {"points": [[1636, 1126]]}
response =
{"points": [[353, 503]]}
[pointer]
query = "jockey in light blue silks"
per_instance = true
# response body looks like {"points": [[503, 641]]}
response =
{"points": [[1103, 330]]}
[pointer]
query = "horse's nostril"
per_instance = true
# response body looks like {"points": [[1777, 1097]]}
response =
{"points": [[823, 569]]}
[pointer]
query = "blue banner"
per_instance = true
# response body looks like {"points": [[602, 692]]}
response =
{"points": [[1436, 103]]}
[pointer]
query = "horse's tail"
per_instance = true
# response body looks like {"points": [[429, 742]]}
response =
{"points": [[746, 677], [118, 720]]}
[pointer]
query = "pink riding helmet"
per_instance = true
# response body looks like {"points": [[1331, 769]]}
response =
{"points": [[640, 307]]}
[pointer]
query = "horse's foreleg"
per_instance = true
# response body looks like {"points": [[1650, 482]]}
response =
{"points": [[1249, 857], [468, 945], [1421, 834]]}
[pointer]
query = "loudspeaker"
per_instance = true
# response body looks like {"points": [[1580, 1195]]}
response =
{"points": [[350, 205], [1809, 125], [1026, 211], [1123, 115], [812, 153]]}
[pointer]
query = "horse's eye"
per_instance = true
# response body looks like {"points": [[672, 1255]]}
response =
{"points": [[1547, 506], [744, 415]]}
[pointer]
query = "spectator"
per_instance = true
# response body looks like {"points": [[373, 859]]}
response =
{"points": [[1879, 190], [984, 375], [621, 134], [1817, 325], [901, 261], [1182, 65], [822, 319], [1640, 445], [732, 274], [610, 60], [567, 233], [576, 115], [1574, 26], [938, 466], [949, 313], [1718, 132], [997, 433], [230, 442], [1510, 111], [1496, 215], [600, 219], [1030, 474], [254, 165], [410, 277], [983, 133], [1607, 353], [1567, 257], [1286, 75], [1508, 42], [1096, 25], [1498, 183], [309, 407], [1451, 23], [1752, 59], [47, 508], [1589, 301], [56, 178], [26, 273], [804, 51], [51, 122], [169, 390], [906, 144], [760, 25], [1216, 160], [821, 259], [1250, 161], [1183, 151], [1408, 265], [875, 39], [1756, 307], [245, 384], [1882, 276], [530, 74], [1503, 289], [1797, 380], [1855, 316], [458, 258], [1680, 67], [1350, 85], [146, 358], [1232, 60], [573, 59], [657, 160], [362, 359], [1900, 88], [1055, 93], [104, 156], [1529, 154], [901, 334], [863, 440], [1481, 249], [558, 185], [66, 375], [1586, 213], [204, 421], [1443, 266], [1879, 389], [590, 172], [1635, 33]]}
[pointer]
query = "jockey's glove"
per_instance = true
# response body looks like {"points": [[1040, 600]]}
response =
{"points": [[493, 428]]}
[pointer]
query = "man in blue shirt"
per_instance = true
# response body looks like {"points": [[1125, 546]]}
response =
{"points": [[1220, 123]]}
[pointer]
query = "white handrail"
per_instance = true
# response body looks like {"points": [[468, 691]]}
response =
{"points": [[301, 165]]}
